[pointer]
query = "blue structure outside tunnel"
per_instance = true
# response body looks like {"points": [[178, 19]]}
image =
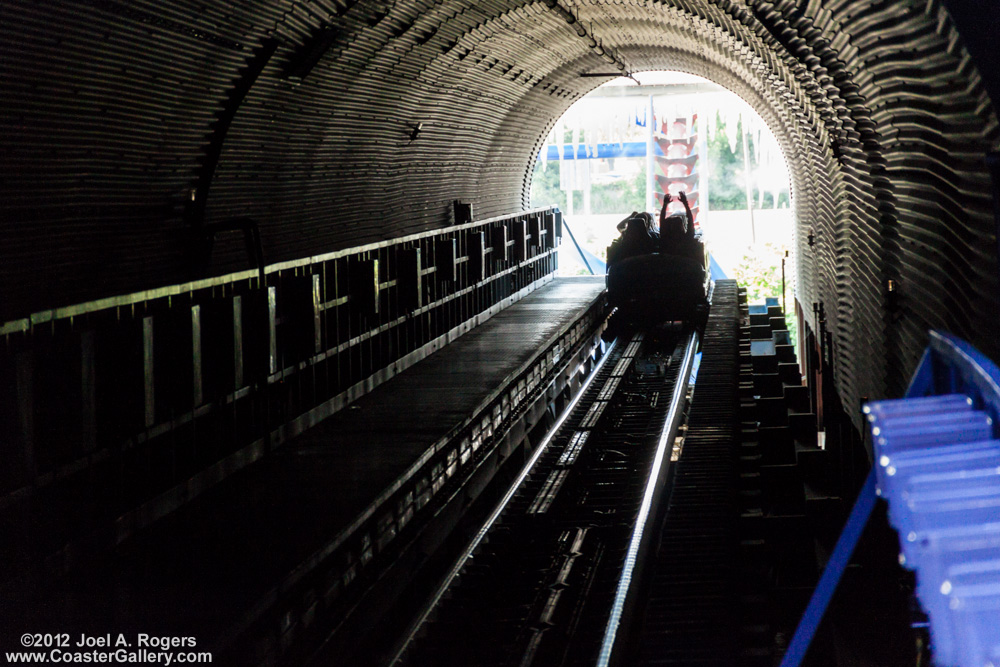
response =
{"points": [[603, 152]]}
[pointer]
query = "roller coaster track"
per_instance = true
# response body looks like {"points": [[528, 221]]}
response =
{"points": [[548, 580]]}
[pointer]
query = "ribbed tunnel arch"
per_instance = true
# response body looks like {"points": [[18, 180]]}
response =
{"points": [[371, 117]]}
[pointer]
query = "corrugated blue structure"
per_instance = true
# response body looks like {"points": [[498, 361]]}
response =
{"points": [[937, 464]]}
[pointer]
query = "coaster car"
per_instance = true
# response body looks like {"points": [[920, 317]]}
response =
{"points": [[653, 288]]}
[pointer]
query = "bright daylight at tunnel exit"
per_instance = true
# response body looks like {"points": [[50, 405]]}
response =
{"points": [[622, 146]]}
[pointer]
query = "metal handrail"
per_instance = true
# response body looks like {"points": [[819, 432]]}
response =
{"points": [[133, 298]]}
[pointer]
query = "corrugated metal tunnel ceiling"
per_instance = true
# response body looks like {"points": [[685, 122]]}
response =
{"points": [[333, 123]]}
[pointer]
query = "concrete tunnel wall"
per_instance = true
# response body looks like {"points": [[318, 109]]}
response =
{"points": [[114, 109]]}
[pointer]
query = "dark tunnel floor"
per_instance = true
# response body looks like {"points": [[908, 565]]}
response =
{"points": [[212, 567]]}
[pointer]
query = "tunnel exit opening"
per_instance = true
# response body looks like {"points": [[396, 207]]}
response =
{"points": [[623, 146]]}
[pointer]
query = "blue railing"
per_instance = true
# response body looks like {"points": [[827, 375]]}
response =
{"points": [[937, 464]]}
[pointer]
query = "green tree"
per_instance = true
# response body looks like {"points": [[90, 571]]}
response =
{"points": [[760, 273], [545, 186], [726, 185], [622, 197]]}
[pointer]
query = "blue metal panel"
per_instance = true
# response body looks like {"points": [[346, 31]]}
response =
{"points": [[717, 272], [937, 464], [944, 495]]}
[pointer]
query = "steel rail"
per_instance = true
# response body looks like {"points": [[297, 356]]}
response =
{"points": [[477, 540], [653, 482]]}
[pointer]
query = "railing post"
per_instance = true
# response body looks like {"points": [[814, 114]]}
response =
{"points": [[832, 573]]}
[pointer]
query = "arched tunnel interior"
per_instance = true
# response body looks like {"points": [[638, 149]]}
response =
{"points": [[174, 154]]}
